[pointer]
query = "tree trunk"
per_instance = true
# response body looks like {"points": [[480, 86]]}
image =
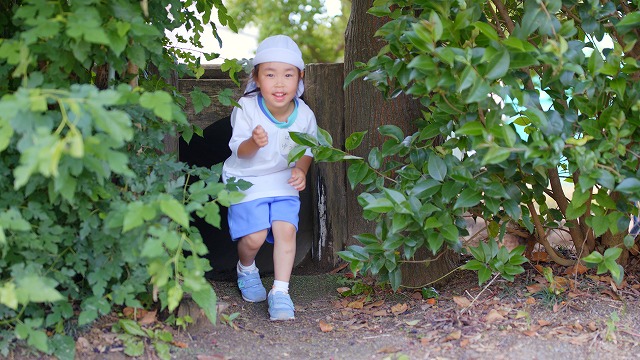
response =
{"points": [[365, 106], [367, 109]]}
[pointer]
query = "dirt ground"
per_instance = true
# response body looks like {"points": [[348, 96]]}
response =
{"points": [[582, 316]]}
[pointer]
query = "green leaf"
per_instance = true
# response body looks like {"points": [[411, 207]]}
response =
{"points": [[593, 258], [357, 172], [437, 167], [480, 91], [39, 340], [629, 185], [496, 155], [160, 102], [375, 158], [35, 288], [206, 300], [612, 254], [468, 198], [395, 278], [498, 65], [303, 138], [391, 131], [175, 210], [629, 22], [354, 140], [474, 265], [132, 327], [6, 133], [199, 100], [174, 295], [324, 138], [472, 128], [296, 153], [379, 205], [483, 275], [450, 232], [487, 30]]}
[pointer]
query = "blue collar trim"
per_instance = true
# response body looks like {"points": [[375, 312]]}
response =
{"points": [[282, 125]]}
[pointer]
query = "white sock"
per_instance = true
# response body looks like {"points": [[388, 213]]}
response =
{"points": [[281, 286], [246, 269]]}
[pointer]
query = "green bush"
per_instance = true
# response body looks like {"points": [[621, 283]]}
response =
{"points": [[93, 214], [482, 71]]}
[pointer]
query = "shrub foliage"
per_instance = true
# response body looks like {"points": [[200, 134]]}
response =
{"points": [[519, 96], [93, 214]]}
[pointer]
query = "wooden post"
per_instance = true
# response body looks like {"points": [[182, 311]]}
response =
{"points": [[324, 95]]}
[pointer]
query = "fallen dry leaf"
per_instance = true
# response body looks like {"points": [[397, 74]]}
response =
{"points": [[412, 322], [82, 343], [356, 304], [148, 318], [325, 327], [530, 333], [493, 315], [179, 344], [377, 303], [398, 309], [431, 301], [342, 289], [464, 343], [133, 313], [592, 326], [544, 322], [212, 357], [388, 350], [534, 288], [577, 269], [380, 313], [612, 294], [455, 335], [530, 300], [541, 256], [462, 301]]}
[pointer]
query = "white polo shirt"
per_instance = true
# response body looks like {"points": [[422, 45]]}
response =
{"points": [[267, 170]]}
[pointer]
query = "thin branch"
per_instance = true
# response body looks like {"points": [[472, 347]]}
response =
{"points": [[505, 15], [480, 293], [542, 238]]}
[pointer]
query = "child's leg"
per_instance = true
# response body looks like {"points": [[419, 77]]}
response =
{"points": [[284, 252], [248, 276], [249, 245], [284, 249]]}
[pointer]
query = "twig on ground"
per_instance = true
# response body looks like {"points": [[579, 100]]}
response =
{"points": [[480, 293]]}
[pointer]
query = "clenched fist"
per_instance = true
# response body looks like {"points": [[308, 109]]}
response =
{"points": [[260, 136]]}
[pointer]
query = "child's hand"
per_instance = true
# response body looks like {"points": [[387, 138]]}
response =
{"points": [[298, 179], [259, 136]]}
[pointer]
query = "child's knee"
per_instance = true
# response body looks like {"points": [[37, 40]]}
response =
{"points": [[256, 239]]}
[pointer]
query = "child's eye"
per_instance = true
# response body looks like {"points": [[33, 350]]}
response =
{"points": [[289, 75]]}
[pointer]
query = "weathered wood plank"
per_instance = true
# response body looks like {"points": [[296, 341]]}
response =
{"points": [[324, 95]]}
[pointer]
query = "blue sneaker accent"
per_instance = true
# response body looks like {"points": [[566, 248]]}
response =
{"points": [[251, 287], [280, 306]]}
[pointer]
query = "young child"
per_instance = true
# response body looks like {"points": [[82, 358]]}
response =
{"points": [[260, 144]]}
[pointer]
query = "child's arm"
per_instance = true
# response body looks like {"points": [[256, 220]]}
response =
{"points": [[250, 147], [299, 173]]}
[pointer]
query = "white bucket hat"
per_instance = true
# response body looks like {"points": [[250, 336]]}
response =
{"points": [[278, 48]]}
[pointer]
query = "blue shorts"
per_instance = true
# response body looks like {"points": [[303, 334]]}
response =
{"points": [[252, 216]]}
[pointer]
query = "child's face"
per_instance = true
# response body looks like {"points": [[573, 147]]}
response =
{"points": [[278, 83]]}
